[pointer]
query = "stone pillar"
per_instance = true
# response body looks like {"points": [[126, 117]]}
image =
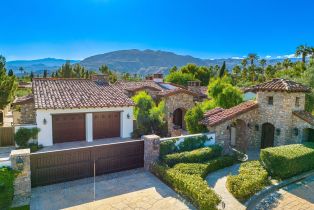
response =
{"points": [[89, 127], [20, 161], [151, 150]]}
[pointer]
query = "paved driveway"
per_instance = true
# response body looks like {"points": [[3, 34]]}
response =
{"points": [[297, 196], [133, 189]]}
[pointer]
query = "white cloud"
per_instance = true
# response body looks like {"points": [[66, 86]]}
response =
{"points": [[236, 58], [268, 57], [279, 56], [289, 56]]}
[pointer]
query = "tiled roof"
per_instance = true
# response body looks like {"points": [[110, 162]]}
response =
{"points": [[23, 99], [279, 85], [199, 90], [76, 93], [219, 115], [306, 116], [134, 86], [166, 93]]}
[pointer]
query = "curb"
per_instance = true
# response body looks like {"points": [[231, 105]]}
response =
{"points": [[250, 204]]}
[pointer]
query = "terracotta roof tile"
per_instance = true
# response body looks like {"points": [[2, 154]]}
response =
{"points": [[76, 93], [23, 99], [219, 115], [306, 116], [279, 85]]}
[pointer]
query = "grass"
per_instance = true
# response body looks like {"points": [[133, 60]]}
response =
{"points": [[23, 92], [7, 177]]}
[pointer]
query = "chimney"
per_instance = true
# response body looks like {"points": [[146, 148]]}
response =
{"points": [[158, 77], [100, 79]]}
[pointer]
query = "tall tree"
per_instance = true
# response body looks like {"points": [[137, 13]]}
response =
{"points": [[244, 63], [303, 51], [21, 69], [252, 57], [287, 63], [104, 69], [10, 73], [31, 76], [222, 71], [263, 62], [45, 74]]}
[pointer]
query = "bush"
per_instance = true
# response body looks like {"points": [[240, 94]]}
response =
{"points": [[7, 177], [252, 178], [195, 156], [290, 160], [23, 135], [192, 187], [167, 147], [202, 169]]}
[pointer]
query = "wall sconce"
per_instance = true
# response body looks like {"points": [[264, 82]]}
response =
{"points": [[296, 131], [278, 131], [44, 121], [256, 127], [19, 163], [249, 125], [128, 116]]}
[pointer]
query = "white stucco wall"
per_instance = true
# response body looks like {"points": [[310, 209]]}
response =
{"points": [[45, 134]]}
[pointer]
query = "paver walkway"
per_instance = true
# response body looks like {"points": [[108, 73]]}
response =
{"points": [[133, 189], [218, 179], [297, 196]]}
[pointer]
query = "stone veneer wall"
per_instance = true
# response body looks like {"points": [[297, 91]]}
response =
{"points": [[27, 114], [173, 102], [300, 125]]}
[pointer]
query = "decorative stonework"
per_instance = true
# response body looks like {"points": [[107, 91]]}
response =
{"points": [[151, 150], [20, 161]]}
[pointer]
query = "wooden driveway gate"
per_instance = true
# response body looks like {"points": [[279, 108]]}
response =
{"points": [[66, 165]]}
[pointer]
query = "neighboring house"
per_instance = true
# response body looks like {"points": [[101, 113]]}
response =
{"points": [[68, 110], [276, 117]]}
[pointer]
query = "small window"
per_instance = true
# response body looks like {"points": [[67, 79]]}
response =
{"points": [[297, 101], [270, 100]]}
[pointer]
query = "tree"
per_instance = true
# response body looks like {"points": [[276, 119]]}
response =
{"points": [[179, 78], [303, 51], [222, 71], [21, 69], [287, 63], [45, 74], [192, 119], [263, 62], [104, 69], [244, 63], [252, 57], [236, 70], [31, 76], [269, 72], [10, 73], [173, 69], [2, 62]]}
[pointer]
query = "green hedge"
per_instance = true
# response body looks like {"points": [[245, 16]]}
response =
{"points": [[189, 143], [192, 187], [290, 160], [196, 156], [7, 177], [252, 178], [202, 169]]}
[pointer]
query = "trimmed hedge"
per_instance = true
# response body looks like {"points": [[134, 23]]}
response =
{"points": [[189, 143], [192, 187], [252, 178], [202, 169], [290, 160], [7, 177], [196, 156]]}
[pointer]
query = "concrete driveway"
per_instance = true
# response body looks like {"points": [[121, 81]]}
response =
{"points": [[133, 189]]}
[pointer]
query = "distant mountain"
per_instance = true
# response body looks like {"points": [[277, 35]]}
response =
{"points": [[37, 66], [132, 61]]}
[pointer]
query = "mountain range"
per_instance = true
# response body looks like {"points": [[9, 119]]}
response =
{"points": [[131, 61]]}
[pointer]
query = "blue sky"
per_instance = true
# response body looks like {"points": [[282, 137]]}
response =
{"points": [[75, 29]]}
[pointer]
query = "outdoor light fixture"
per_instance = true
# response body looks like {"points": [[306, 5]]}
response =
{"points": [[44, 121], [128, 116], [296, 131], [249, 125], [19, 163], [256, 127], [278, 131]]}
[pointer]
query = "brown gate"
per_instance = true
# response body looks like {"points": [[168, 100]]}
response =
{"points": [[65, 165], [6, 136]]}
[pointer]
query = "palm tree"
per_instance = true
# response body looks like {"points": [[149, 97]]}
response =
{"points": [[311, 52], [302, 50], [252, 57], [263, 62], [244, 62], [286, 63]]}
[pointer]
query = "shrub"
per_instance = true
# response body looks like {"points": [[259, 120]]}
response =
{"points": [[192, 187], [194, 156], [23, 135], [167, 147], [202, 169], [252, 178], [290, 160], [7, 176]]}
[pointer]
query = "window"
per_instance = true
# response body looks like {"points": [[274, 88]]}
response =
{"points": [[297, 101], [270, 100]]}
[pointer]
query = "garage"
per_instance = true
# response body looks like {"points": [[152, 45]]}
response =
{"points": [[106, 125], [68, 127]]}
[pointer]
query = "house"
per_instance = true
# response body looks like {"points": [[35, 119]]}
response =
{"points": [[68, 110], [276, 117]]}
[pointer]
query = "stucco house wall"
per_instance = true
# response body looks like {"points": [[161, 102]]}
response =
{"points": [[45, 135]]}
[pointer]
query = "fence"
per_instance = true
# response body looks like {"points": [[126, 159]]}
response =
{"points": [[6, 136]]}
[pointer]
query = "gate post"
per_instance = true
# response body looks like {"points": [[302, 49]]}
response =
{"points": [[20, 161], [151, 150]]}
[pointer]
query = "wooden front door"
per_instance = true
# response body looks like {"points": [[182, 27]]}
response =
{"points": [[106, 125], [68, 127], [177, 117], [268, 134]]}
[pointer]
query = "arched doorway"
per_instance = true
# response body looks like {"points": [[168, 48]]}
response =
{"points": [[239, 137], [178, 118], [268, 135], [308, 135]]}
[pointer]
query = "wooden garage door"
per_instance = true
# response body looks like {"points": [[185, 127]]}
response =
{"points": [[106, 125], [68, 127]]}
